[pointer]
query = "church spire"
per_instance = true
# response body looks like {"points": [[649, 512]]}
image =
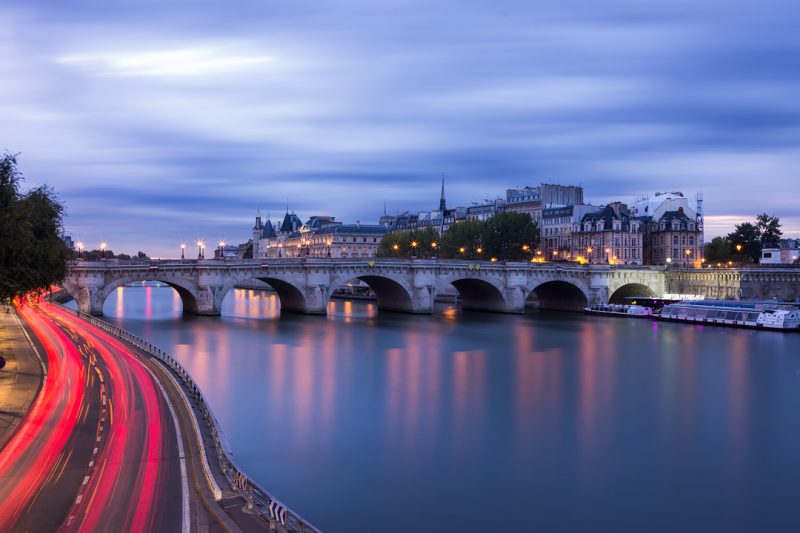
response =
{"points": [[442, 203]]}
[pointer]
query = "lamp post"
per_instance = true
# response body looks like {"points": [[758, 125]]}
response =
{"points": [[221, 249], [434, 245], [183, 250], [414, 249], [608, 254], [200, 249], [103, 246], [79, 244]]}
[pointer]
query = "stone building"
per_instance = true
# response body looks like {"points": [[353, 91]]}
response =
{"points": [[346, 241], [610, 236], [556, 226], [676, 238]]}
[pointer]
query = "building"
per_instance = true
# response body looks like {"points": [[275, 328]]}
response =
{"points": [[347, 241], [485, 210], [556, 226], [525, 200], [609, 236], [533, 200], [676, 238], [790, 251]]}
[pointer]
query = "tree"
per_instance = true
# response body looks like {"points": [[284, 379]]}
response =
{"points": [[745, 242], [510, 236], [408, 244], [769, 229], [463, 240], [718, 250], [32, 254]]}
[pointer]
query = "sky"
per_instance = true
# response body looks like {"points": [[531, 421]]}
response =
{"points": [[161, 122]]}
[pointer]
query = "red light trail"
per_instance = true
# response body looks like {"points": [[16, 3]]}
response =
{"points": [[98, 450]]}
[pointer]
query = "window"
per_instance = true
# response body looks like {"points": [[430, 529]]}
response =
{"points": [[691, 240], [674, 239]]}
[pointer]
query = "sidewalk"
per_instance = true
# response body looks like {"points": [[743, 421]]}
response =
{"points": [[20, 379]]}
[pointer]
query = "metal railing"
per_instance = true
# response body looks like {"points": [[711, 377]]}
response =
{"points": [[266, 506]]}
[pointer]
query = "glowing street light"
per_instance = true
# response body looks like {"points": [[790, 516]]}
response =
{"points": [[200, 246], [79, 244], [103, 246], [525, 247], [183, 250], [738, 247], [462, 250], [479, 250]]}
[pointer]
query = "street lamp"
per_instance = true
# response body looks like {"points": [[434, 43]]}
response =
{"points": [[183, 250], [479, 250], [608, 252], [433, 246], [103, 246], [462, 250], [738, 247], [79, 244], [200, 245]]}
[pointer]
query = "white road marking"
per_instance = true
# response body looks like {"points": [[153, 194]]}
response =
{"points": [[184, 478]]}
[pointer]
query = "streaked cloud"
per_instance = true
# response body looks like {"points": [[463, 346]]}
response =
{"points": [[161, 122]]}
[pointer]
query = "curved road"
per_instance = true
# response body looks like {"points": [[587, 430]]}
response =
{"points": [[99, 449]]}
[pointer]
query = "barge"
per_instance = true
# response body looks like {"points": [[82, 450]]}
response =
{"points": [[743, 314]]}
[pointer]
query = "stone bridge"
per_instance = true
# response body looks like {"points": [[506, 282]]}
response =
{"points": [[306, 285]]}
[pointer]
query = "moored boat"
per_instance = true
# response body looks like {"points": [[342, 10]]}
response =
{"points": [[745, 314], [626, 310]]}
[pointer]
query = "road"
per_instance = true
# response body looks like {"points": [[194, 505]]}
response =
{"points": [[100, 448]]}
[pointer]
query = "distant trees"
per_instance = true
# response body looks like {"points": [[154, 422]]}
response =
{"points": [[769, 229], [32, 254], [507, 236], [718, 250], [747, 238]]}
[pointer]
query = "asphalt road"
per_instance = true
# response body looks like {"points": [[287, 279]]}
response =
{"points": [[98, 450]]}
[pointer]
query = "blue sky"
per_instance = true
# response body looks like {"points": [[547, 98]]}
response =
{"points": [[162, 122]]}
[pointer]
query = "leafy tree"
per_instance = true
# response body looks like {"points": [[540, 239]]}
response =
{"points": [[141, 255], [718, 250], [510, 236], [407, 244], [32, 254], [769, 229], [124, 257], [463, 240], [745, 242]]}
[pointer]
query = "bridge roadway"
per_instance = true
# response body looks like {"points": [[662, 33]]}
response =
{"points": [[102, 448], [306, 285]]}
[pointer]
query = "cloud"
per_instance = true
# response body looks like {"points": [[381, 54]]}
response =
{"points": [[164, 63], [158, 123]]}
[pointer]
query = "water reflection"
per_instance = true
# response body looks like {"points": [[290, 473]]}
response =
{"points": [[552, 421]]}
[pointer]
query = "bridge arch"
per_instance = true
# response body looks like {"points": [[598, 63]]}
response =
{"points": [[391, 294], [290, 296], [479, 294], [187, 292], [558, 294], [630, 290]]}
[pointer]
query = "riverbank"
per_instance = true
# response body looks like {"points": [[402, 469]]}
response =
{"points": [[21, 377]]}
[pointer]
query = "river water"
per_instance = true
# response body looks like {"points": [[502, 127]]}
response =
{"points": [[364, 421]]}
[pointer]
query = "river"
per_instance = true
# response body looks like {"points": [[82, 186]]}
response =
{"points": [[367, 421]]}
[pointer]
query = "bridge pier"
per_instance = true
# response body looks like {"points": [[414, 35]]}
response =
{"points": [[90, 300], [208, 301]]}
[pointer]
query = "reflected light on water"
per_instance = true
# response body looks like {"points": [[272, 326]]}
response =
{"points": [[619, 418]]}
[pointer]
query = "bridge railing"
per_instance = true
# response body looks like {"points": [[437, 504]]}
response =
{"points": [[267, 506], [155, 264]]}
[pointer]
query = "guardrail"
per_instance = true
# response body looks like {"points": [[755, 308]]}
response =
{"points": [[267, 506]]}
